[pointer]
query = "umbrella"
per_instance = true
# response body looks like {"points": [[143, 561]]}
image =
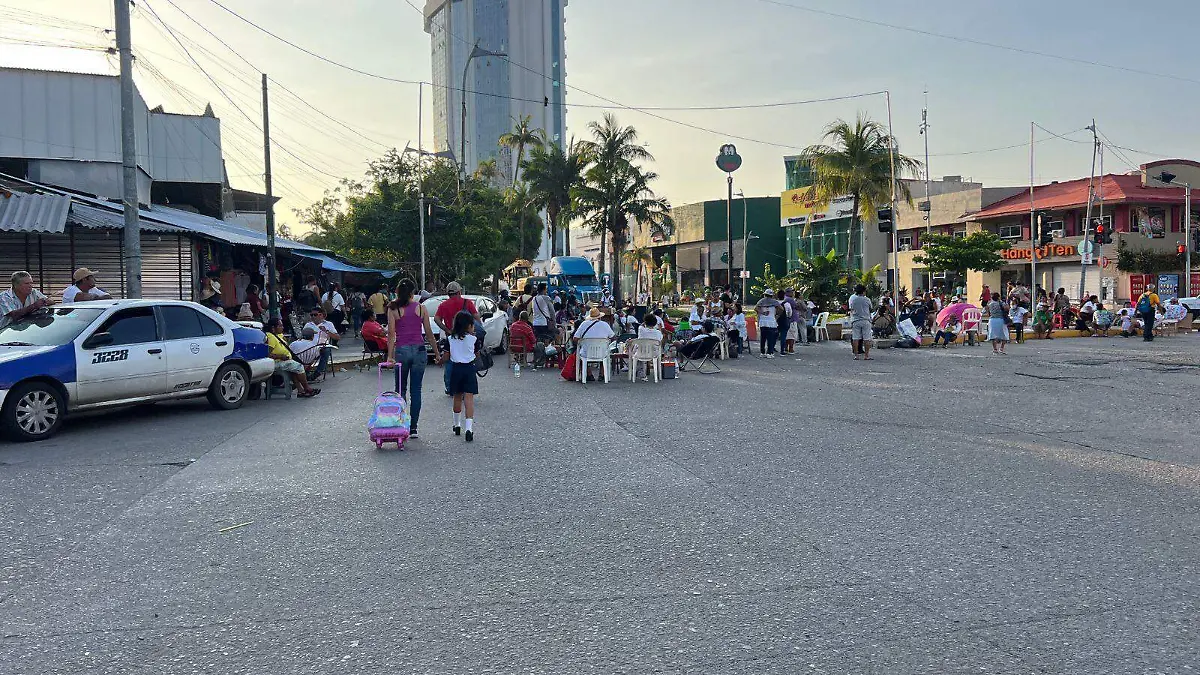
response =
{"points": [[956, 309]]}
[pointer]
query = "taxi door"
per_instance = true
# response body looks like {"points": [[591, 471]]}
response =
{"points": [[121, 359], [195, 347]]}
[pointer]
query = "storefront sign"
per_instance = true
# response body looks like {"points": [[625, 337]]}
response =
{"points": [[1050, 251], [1137, 285], [1168, 285], [796, 209]]}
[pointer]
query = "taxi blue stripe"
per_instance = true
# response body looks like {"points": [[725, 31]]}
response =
{"points": [[57, 363]]}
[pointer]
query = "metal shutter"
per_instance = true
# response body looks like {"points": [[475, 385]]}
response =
{"points": [[100, 250], [13, 255], [1067, 276], [55, 269], [166, 266]]}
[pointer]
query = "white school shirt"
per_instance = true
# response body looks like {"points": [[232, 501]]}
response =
{"points": [[69, 294], [462, 351], [651, 333]]}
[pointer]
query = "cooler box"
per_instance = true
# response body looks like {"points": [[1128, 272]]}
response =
{"points": [[669, 370]]}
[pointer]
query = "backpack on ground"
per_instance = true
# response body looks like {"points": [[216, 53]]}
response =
{"points": [[390, 420]]}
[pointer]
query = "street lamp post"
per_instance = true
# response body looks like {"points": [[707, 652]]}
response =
{"points": [[476, 52], [745, 241], [1168, 178]]}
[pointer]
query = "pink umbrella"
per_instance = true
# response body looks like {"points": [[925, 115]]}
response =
{"points": [[956, 309]]}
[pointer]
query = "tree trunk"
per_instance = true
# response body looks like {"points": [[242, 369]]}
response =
{"points": [[618, 246], [851, 241], [552, 214], [603, 250]]}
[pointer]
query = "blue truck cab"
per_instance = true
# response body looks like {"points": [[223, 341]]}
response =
{"points": [[574, 276]]}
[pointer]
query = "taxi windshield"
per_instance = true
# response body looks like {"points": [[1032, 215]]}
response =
{"points": [[48, 328]]}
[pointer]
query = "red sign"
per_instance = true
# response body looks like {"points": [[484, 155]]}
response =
{"points": [[1137, 285], [1194, 288], [1104, 262], [1057, 250]]}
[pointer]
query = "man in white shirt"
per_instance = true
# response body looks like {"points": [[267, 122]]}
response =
{"points": [[594, 327], [541, 310], [84, 288], [309, 349], [335, 304], [322, 328]]}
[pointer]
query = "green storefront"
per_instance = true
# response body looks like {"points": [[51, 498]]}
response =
{"points": [[698, 248]]}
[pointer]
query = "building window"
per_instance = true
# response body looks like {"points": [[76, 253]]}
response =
{"points": [[1106, 221], [905, 242], [1007, 232], [960, 234], [1057, 228]]}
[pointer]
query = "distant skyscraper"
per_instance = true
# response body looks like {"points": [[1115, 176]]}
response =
{"points": [[529, 81]]}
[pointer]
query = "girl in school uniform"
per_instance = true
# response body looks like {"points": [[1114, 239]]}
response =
{"points": [[464, 384]]}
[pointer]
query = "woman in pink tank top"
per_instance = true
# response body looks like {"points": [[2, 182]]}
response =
{"points": [[406, 346]]}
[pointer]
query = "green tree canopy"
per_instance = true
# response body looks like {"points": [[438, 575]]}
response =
{"points": [[978, 251]]}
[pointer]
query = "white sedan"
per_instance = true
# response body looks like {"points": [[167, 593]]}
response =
{"points": [[495, 322], [106, 353]]}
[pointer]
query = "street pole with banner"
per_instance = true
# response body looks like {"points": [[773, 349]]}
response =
{"points": [[1085, 259], [1033, 224], [728, 160]]}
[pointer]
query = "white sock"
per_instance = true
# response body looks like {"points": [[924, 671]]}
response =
{"points": [[469, 423], [457, 419]]}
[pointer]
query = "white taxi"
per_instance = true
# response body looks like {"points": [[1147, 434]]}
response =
{"points": [[104, 353]]}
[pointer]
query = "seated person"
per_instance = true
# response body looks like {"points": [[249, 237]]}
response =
{"points": [[322, 327], [1043, 323], [309, 350], [521, 335], [649, 329], [285, 365], [666, 326], [629, 321], [374, 335], [1102, 320], [698, 313], [1087, 313], [594, 326], [948, 333], [691, 348], [884, 322], [735, 323], [1175, 312], [1128, 321]]}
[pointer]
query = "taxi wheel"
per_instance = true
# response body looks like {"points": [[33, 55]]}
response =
{"points": [[33, 412], [229, 387]]}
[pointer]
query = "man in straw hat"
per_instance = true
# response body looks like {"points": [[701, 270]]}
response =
{"points": [[84, 288]]}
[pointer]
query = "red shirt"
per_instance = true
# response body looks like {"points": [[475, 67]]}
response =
{"points": [[373, 333], [521, 333], [452, 306]]}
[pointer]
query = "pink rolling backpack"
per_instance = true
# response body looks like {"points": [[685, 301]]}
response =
{"points": [[390, 421]]}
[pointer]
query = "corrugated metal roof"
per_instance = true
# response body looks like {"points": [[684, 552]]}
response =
{"points": [[219, 229], [33, 213], [335, 265], [98, 218]]}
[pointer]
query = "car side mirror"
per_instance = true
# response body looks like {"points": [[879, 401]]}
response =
{"points": [[98, 340]]}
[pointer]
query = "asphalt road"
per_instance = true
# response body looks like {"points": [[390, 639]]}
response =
{"points": [[926, 512]]}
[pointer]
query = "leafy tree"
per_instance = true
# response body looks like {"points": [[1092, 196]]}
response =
{"points": [[552, 173], [821, 278], [855, 160], [979, 251], [523, 207], [519, 138], [868, 278], [487, 171], [768, 280]]}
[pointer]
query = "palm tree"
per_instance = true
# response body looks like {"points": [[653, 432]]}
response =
{"points": [[524, 207], [855, 160], [520, 137], [487, 171], [615, 196], [640, 258], [552, 174], [818, 277], [614, 147]]}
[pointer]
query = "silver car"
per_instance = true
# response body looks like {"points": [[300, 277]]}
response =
{"points": [[495, 322]]}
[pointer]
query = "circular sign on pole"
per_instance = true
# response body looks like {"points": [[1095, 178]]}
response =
{"points": [[728, 159], [1104, 262], [1085, 246]]}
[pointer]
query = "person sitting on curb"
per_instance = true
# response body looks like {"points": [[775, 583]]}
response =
{"points": [[1043, 323], [1102, 320], [285, 365], [949, 332]]}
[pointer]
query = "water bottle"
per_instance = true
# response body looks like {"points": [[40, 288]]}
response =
{"points": [[516, 369]]}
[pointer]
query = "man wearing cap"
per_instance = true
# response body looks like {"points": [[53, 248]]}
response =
{"points": [[444, 318], [84, 288]]}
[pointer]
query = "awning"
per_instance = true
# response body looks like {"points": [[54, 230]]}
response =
{"points": [[214, 228], [21, 212], [335, 265], [106, 219]]}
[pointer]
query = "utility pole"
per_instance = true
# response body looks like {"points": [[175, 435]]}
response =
{"points": [[891, 205], [729, 231], [928, 203], [420, 178], [129, 197], [1087, 219], [272, 282], [1033, 224]]}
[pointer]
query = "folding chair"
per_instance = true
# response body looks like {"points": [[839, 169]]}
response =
{"points": [[702, 353], [519, 349], [821, 326], [370, 355]]}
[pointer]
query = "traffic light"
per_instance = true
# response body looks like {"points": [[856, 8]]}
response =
{"points": [[1041, 232], [437, 214], [1101, 235], [1181, 249], [885, 219]]}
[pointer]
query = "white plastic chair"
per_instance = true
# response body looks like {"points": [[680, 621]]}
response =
{"points": [[644, 350], [593, 350], [972, 320], [821, 327]]}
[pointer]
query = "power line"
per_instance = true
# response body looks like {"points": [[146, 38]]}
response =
{"points": [[1010, 147], [982, 43]]}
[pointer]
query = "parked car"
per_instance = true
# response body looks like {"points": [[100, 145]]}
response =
{"points": [[108, 353], [495, 322]]}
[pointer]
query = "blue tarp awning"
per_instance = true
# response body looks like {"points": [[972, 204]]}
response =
{"points": [[335, 265]]}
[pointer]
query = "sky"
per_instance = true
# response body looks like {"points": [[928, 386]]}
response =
{"points": [[675, 53]]}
